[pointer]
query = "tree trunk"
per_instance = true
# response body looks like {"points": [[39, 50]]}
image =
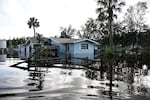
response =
{"points": [[34, 31], [110, 25], [111, 45]]}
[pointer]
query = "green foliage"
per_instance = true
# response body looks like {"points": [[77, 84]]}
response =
{"points": [[67, 32], [128, 39], [135, 17], [15, 42], [92, 29], [106, 6], [64, 35]]}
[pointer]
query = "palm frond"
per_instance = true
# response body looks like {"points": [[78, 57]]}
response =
{"points": [[102, 3], [30, 18], [118, 9], [114, 16], [33, 22], [122, 3], [29, 24], [113, 6], [98, 10], [115, 1], [102, 17]]}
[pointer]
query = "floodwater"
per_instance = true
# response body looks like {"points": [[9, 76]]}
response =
{"points": [[73, 84]]}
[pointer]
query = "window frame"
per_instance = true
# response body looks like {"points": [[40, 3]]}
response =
{"points": [[84, 46]]}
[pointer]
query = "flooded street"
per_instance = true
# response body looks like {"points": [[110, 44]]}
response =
{"points": [[72, 84]]}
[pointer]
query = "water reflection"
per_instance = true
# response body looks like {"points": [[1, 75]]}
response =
{"points": [[126, 71], [37, 75], [130, 77]]}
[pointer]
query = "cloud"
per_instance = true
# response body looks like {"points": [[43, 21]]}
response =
{"points": [[52, 14], [12, 18]]}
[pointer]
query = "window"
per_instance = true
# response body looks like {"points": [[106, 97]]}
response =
{"points": [[84, 46]]}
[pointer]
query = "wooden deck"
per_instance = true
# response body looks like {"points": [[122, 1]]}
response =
{"points": [[43, 62], [52, 63]]}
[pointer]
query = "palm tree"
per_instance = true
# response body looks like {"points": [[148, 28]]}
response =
{"points": [[33, 22], [106, 13], [67, 32]]}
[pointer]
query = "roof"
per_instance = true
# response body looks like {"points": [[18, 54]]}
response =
{"points": [[64, 40], [31, 40], [92, 41], [70, 40]]}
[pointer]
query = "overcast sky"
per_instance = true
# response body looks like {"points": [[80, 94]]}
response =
{"points": [[52, 14]]}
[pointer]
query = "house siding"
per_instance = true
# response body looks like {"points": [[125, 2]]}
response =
{"points": [[71, 50], [83, 53], [62, 49], [24, 50], [75, 52], [27, 51], [67, 49], [21, 51], [75, 49]]}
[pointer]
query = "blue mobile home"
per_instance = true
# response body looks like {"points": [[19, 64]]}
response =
{"points": [[34, 50], [21, 51], [26, 50], [76, 48]]}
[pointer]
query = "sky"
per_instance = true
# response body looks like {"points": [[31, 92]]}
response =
{"points": [[52, 14]]}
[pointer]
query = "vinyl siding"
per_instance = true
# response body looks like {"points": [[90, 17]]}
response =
{"points": [[82, 53]]}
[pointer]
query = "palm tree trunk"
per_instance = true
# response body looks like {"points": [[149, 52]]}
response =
{"points": [[110, 24], [34, 31], [111, 43]]}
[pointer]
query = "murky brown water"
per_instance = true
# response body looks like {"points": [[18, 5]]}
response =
{"points": [[71, 84]]}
